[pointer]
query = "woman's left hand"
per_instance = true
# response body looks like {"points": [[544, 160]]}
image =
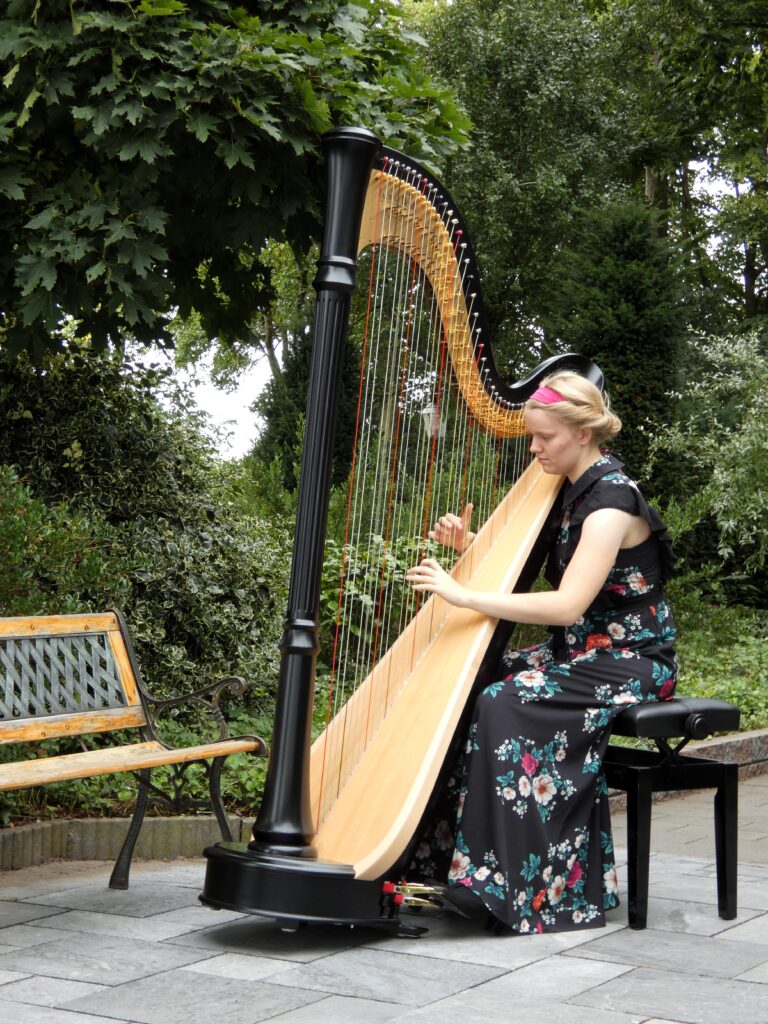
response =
{"points": [[431, 577]]}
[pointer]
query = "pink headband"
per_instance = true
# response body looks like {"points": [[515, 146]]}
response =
{"points": [[547, 396]]}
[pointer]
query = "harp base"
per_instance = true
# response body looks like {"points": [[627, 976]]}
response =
{"points": [[296, 891]]}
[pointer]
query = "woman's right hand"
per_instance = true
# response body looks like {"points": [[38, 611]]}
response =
{"points": [[453, 531]]}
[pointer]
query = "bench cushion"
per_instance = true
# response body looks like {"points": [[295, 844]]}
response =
{"points": [[670, 718], [131, 757]]}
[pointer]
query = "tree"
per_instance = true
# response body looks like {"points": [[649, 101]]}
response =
{"points": [[115, 500], [697, 75], [548, 138], [151, 148], [614, 297]]}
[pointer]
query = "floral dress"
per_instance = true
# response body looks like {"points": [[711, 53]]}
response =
{"points": [[529, 830]]}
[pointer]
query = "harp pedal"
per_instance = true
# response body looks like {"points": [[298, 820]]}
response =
{"points": [[417, 895]]}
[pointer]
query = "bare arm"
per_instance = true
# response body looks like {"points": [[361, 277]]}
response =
{"points": [[602, 535]]}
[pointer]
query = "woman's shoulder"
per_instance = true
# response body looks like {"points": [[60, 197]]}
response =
{"points": [[614, 490]]}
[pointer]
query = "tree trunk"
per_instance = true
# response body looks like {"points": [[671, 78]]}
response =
{"points": [[657, 194]]}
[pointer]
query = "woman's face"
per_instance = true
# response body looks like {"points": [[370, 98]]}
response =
{"points": [[558, 447]]}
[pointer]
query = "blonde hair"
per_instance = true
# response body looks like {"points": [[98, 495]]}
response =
{"points": [[584, 406]]}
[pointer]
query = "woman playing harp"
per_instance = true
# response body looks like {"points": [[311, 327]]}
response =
{"points": [[339, 816], [525, 831]]}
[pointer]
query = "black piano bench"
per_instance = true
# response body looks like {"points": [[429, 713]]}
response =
{"points": [[641, 773]]}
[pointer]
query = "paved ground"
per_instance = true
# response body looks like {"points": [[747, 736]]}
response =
{"points": [[73, 952]]}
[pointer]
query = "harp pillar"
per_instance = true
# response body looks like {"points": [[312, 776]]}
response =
{"points": [[284, 825], [276, 874]]}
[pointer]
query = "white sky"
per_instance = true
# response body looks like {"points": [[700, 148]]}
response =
{"points": [[230, 410], [227, 409]]}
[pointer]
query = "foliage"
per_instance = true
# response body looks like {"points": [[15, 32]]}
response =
{"points": [[548, 138], [91, 427], [53, 555], [151, 148], [696, 75], [723, 650], [613, 297], [275, 330], [721, 440], [157, 528]]}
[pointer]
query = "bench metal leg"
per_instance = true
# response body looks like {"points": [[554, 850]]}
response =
{"points": [[121, 870], [638, 848], [214, 788], [726, 840]]}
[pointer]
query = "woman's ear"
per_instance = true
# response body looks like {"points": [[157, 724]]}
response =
{"points": [[585, 436]]}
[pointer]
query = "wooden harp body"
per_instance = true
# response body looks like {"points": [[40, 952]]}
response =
{"points": [[339, 816]]}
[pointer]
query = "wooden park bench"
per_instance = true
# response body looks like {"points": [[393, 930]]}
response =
{"points": [[77, 675]]}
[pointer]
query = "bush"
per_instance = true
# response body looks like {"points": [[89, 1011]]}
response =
{"points": [[720, 441], [107, 499], [54, 557], [723, 651]]}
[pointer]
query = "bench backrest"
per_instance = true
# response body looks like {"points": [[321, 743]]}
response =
{"points": [[65, 675]]}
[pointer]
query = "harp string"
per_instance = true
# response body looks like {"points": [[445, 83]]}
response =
{"points": [[418, 451]]}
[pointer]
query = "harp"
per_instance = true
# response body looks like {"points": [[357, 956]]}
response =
{"points": [[339, 816]]}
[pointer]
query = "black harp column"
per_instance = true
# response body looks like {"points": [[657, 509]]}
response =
{"points": [[284, 825]]}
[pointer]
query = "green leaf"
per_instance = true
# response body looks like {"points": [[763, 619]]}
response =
{"points": [[11, 181], [8, 80], [26, 110], [42, 219], [162, 8], [201, 125], [234, 153], [97, 270], [35, 306], [32, 271]]}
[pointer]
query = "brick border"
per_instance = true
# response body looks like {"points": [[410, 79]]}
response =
{"points": [[26, 846]]}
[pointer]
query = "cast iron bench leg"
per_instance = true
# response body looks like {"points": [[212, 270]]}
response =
{"points": [[638, 848], [214, 789], [119, 877], [726, 840]]}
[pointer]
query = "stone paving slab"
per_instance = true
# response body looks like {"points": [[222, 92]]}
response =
{"points": [[74, 952], [691, 954], [19, 913], [389, 977], [255, 936], [21, 936], [42, 991], [450, 938], [673, 996], [101, 959], [150, 929], [140, 901], [19, 1013], [241, 968], [342, 1010], [182, 997], [478, 1007], [755, 930], [689, 918]]}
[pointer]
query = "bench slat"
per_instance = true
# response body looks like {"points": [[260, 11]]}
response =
{"points": [[44, 770], [30, 730], [55, 625]]}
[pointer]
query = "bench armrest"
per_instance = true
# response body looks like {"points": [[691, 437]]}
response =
{"points": [[206, 699]]}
